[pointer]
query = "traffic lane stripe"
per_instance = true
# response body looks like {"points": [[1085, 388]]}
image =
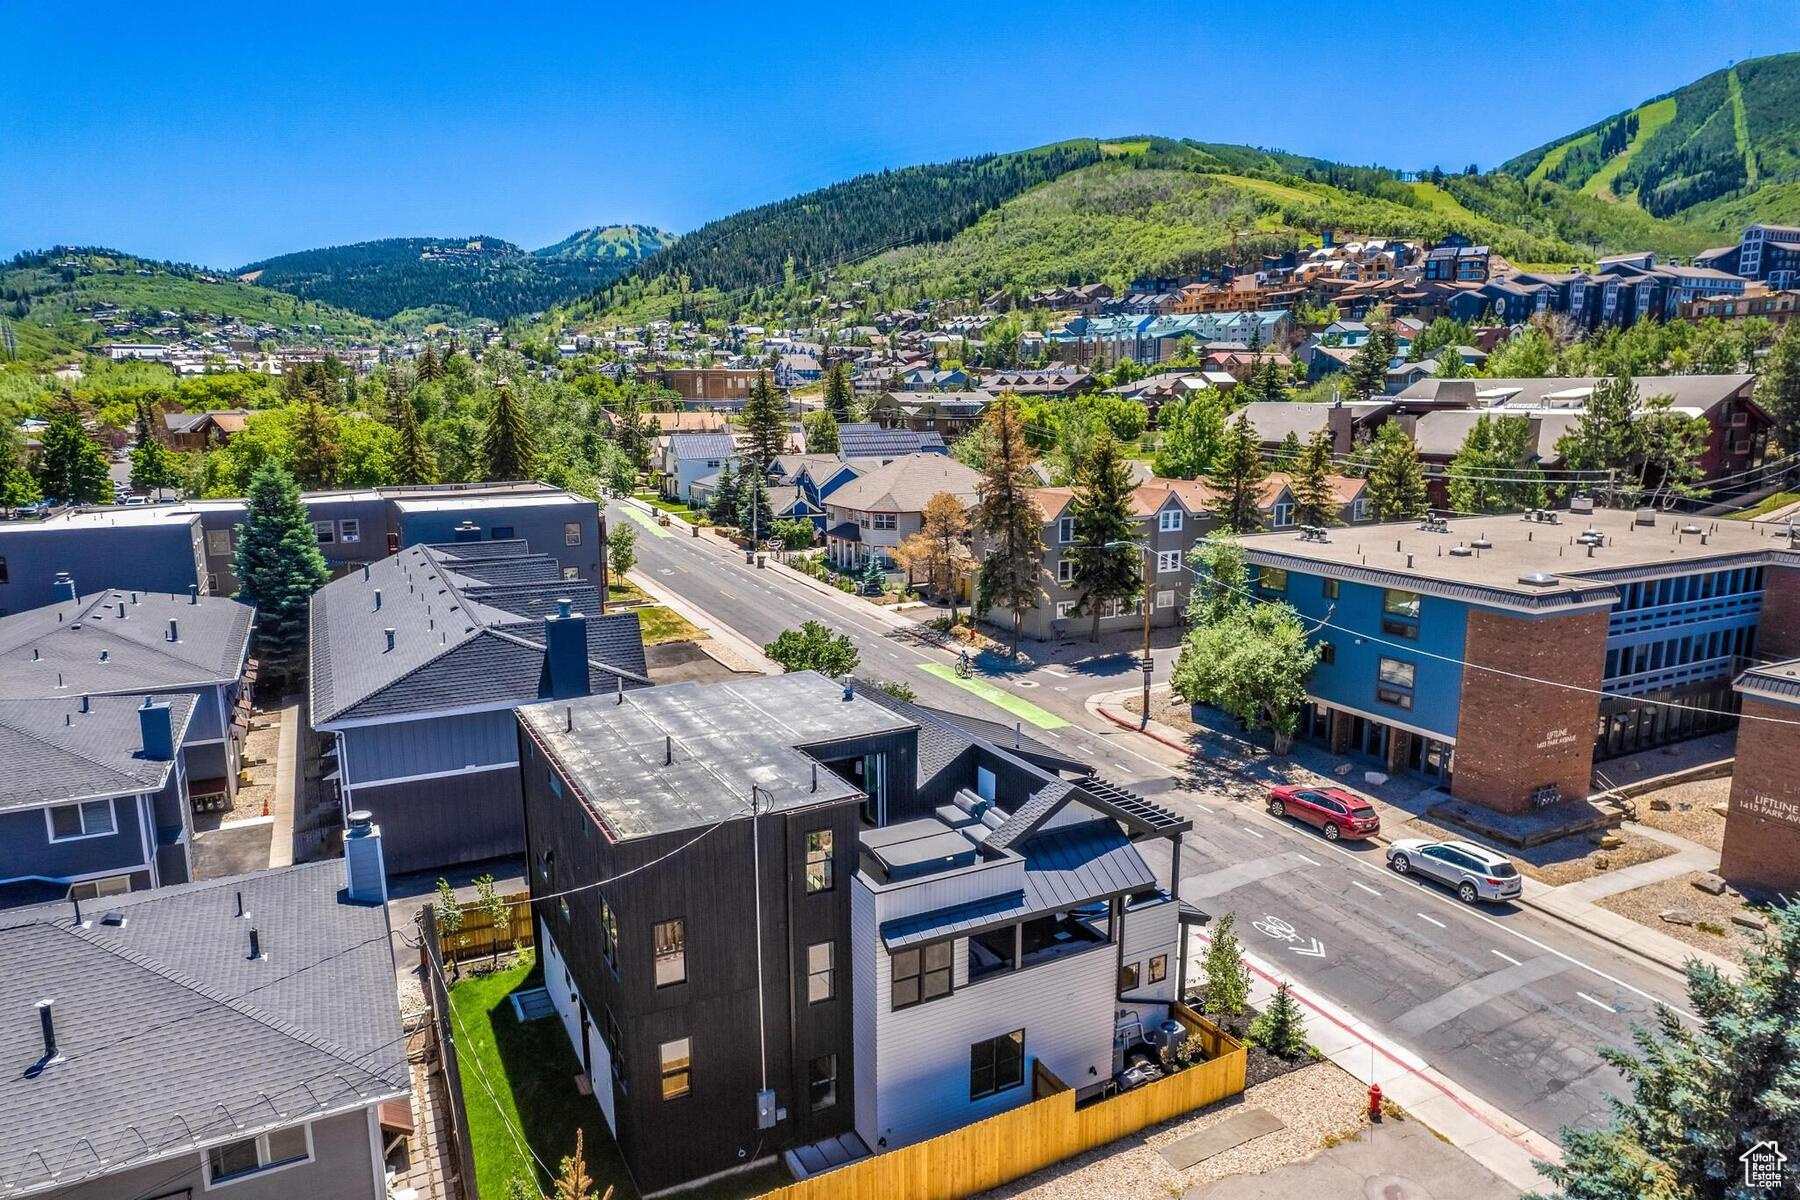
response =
{"points": [[1357, 883], [1598, 1003], [1253, 833], [1503, 954], [1433, 920]]}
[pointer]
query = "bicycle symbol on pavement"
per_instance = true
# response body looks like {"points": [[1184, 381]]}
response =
{"points": [[1281, 931]]}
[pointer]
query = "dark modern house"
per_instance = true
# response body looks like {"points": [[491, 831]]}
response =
{"points": [[137, 643], [787, 915], [417, 662], [239, 1037]]}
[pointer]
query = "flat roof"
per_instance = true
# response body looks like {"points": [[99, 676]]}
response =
{"points": [[1499, 552], [686, 755], [133, 516], [461, 500]]}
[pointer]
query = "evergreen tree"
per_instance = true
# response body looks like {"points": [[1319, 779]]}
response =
{"points": [[1369, 365], [821, 433], [278, 567], [1227, 978], [765, 422], [573, 1181], [413, 461], [725, 497], [1281, 1028], [316, 450], [1606, 436], [755, 519], [1237, 477], [1009, 518], [1287, 454], [840, 393], [1396, 477], [430, 370], [631, 433], [1701, 1095], [72, 468], [143, 434], [1107, 556], [1315, 503], [1193, 429], [1491, 471], [1778, 388], [507, 444]]}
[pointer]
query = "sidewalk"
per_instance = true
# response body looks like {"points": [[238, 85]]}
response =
{"points": [[1398, 801], [731, 649]]}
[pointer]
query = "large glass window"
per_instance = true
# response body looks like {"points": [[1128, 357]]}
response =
{"points": [[94, 818], [675, 1062], [997, 1064], [1400, 613], [1397, 673], [671, 952], [1272, 579], [818, 861], [821, 983], [921, 974]]}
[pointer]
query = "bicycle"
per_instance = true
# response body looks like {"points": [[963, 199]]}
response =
{"points": [[964, 668]]}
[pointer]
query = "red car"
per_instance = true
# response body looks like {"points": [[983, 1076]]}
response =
{"points": [[1337, 813]]}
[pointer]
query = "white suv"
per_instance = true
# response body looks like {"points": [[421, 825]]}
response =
{"points": [[1476, 873]]}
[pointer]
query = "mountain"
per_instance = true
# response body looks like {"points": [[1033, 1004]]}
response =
{"points": [[627, 243], [1722, 151], [428, 279], [1115, 209], [61, 300]]}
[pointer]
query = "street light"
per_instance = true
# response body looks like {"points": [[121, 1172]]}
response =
{"points": [[1149, 583]]}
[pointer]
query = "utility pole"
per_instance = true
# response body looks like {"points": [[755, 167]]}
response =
{"points": [[1149, 596]]}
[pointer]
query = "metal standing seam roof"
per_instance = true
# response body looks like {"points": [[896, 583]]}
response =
{"points": [[171, 1036], [53, 752], [85, 645], [702, 445]]}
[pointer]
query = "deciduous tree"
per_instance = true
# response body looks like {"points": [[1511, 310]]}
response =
{"points": [[621, 550], [1778, 386], [1227, 978], [813, 647], [938, 545], [1193, 430], [821, 432]]}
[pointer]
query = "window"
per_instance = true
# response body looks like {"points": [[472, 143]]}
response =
{"points": [[1359, 509], [675, 1060], [1065, 569], [350, 530], [1128, 978], [821, 1081], [218, 544], [93, 889], [818, 861], [1284, 514], [887, 521], [1168, 561], [3, 576], [609, 936], [571, 533], [500, 533], [615, 1047], [1065, 609], [1330, 588], [94, 818], [1396, 673], [820, 985], [1165, 598], [1272, 579], [1327, 653], [671, 952], [1169, 521], [324, 532], [571, 574], [265, 1152], [921, 974], [1400, 613], [1159, 968], [997, 1064], [1065, 530]]}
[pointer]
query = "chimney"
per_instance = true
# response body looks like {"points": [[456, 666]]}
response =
{"points": [[565, 673], [174, 630], [156, 722], [364, 867], [193, 593]]}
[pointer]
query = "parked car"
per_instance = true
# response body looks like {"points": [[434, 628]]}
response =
{"points": [[1337, 813], [1474, 872]]}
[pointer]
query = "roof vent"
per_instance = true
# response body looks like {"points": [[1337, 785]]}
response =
{"points": [[1482, 543], [1537, 579], [174, 630], [114, 918], [256, 950], [1645, 516], [1690, 529], [389, 634], [1460, 551]]}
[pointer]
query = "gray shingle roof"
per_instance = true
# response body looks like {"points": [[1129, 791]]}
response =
{"points": [[458, 641], [171, 1035], [58, 649], [907, 483], [54, 752]]}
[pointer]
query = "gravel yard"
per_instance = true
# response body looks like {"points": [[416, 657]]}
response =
{"points": [[1315, 1103], [1719, 935], [1690, 813]]}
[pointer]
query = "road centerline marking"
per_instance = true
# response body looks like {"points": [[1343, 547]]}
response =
{"points": [[1503, 954], [1313, 861], [1254, 832], [1597, 1003], [1365, 887], [1433, 920]]}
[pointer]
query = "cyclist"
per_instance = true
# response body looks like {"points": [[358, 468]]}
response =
{"points": [[964, 666]]}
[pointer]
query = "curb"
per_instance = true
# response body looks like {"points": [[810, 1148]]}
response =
{"points": [[1105, 709]]}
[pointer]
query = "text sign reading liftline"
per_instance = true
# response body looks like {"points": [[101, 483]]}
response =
{"points": [[1555, 738], [1776, 808]]}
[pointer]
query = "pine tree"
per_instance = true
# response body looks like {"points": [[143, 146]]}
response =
{"points": [[1287, 454], [1281, 1028], [73, 467], [414, 461], [430, 369], [1701, 1095], [821, 432], [1491, 471], [1369, 365], [278, 567], [839, 392], [1107, 556], [725, 497], [572, 1180], [765, 422], [1315, 503], [1396, 478], [1009, 518], [316, 450], [143, 434], [1606, 437], [1237, 478], [1227, 978], [755, 519], [507, 444]]}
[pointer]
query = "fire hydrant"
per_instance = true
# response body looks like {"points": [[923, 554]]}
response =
{"points": [[1374, 1102]]}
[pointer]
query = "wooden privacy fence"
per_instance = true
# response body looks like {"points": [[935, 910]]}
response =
{"points": [[1034, 1136], [443, 1055], [479, 938]]}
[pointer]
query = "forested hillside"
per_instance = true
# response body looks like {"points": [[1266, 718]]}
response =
{"points": [[436, 278], [1722, 138], [628, 243], [46, 296]]}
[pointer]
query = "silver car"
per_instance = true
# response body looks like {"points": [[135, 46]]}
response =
{"points": [[1474, 872]]}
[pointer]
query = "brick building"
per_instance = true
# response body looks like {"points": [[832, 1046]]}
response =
{"points": [[1762, 829], [1437, 638]]}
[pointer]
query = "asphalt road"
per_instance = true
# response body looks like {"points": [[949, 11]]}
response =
{"points": [[1509, 1003]]}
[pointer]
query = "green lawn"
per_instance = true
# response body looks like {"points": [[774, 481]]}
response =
{"points": [[661, 625], [1768, 504], [531, 1069]]}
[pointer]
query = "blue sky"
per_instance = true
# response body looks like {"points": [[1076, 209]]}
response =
{"points": [[220, 134]]}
